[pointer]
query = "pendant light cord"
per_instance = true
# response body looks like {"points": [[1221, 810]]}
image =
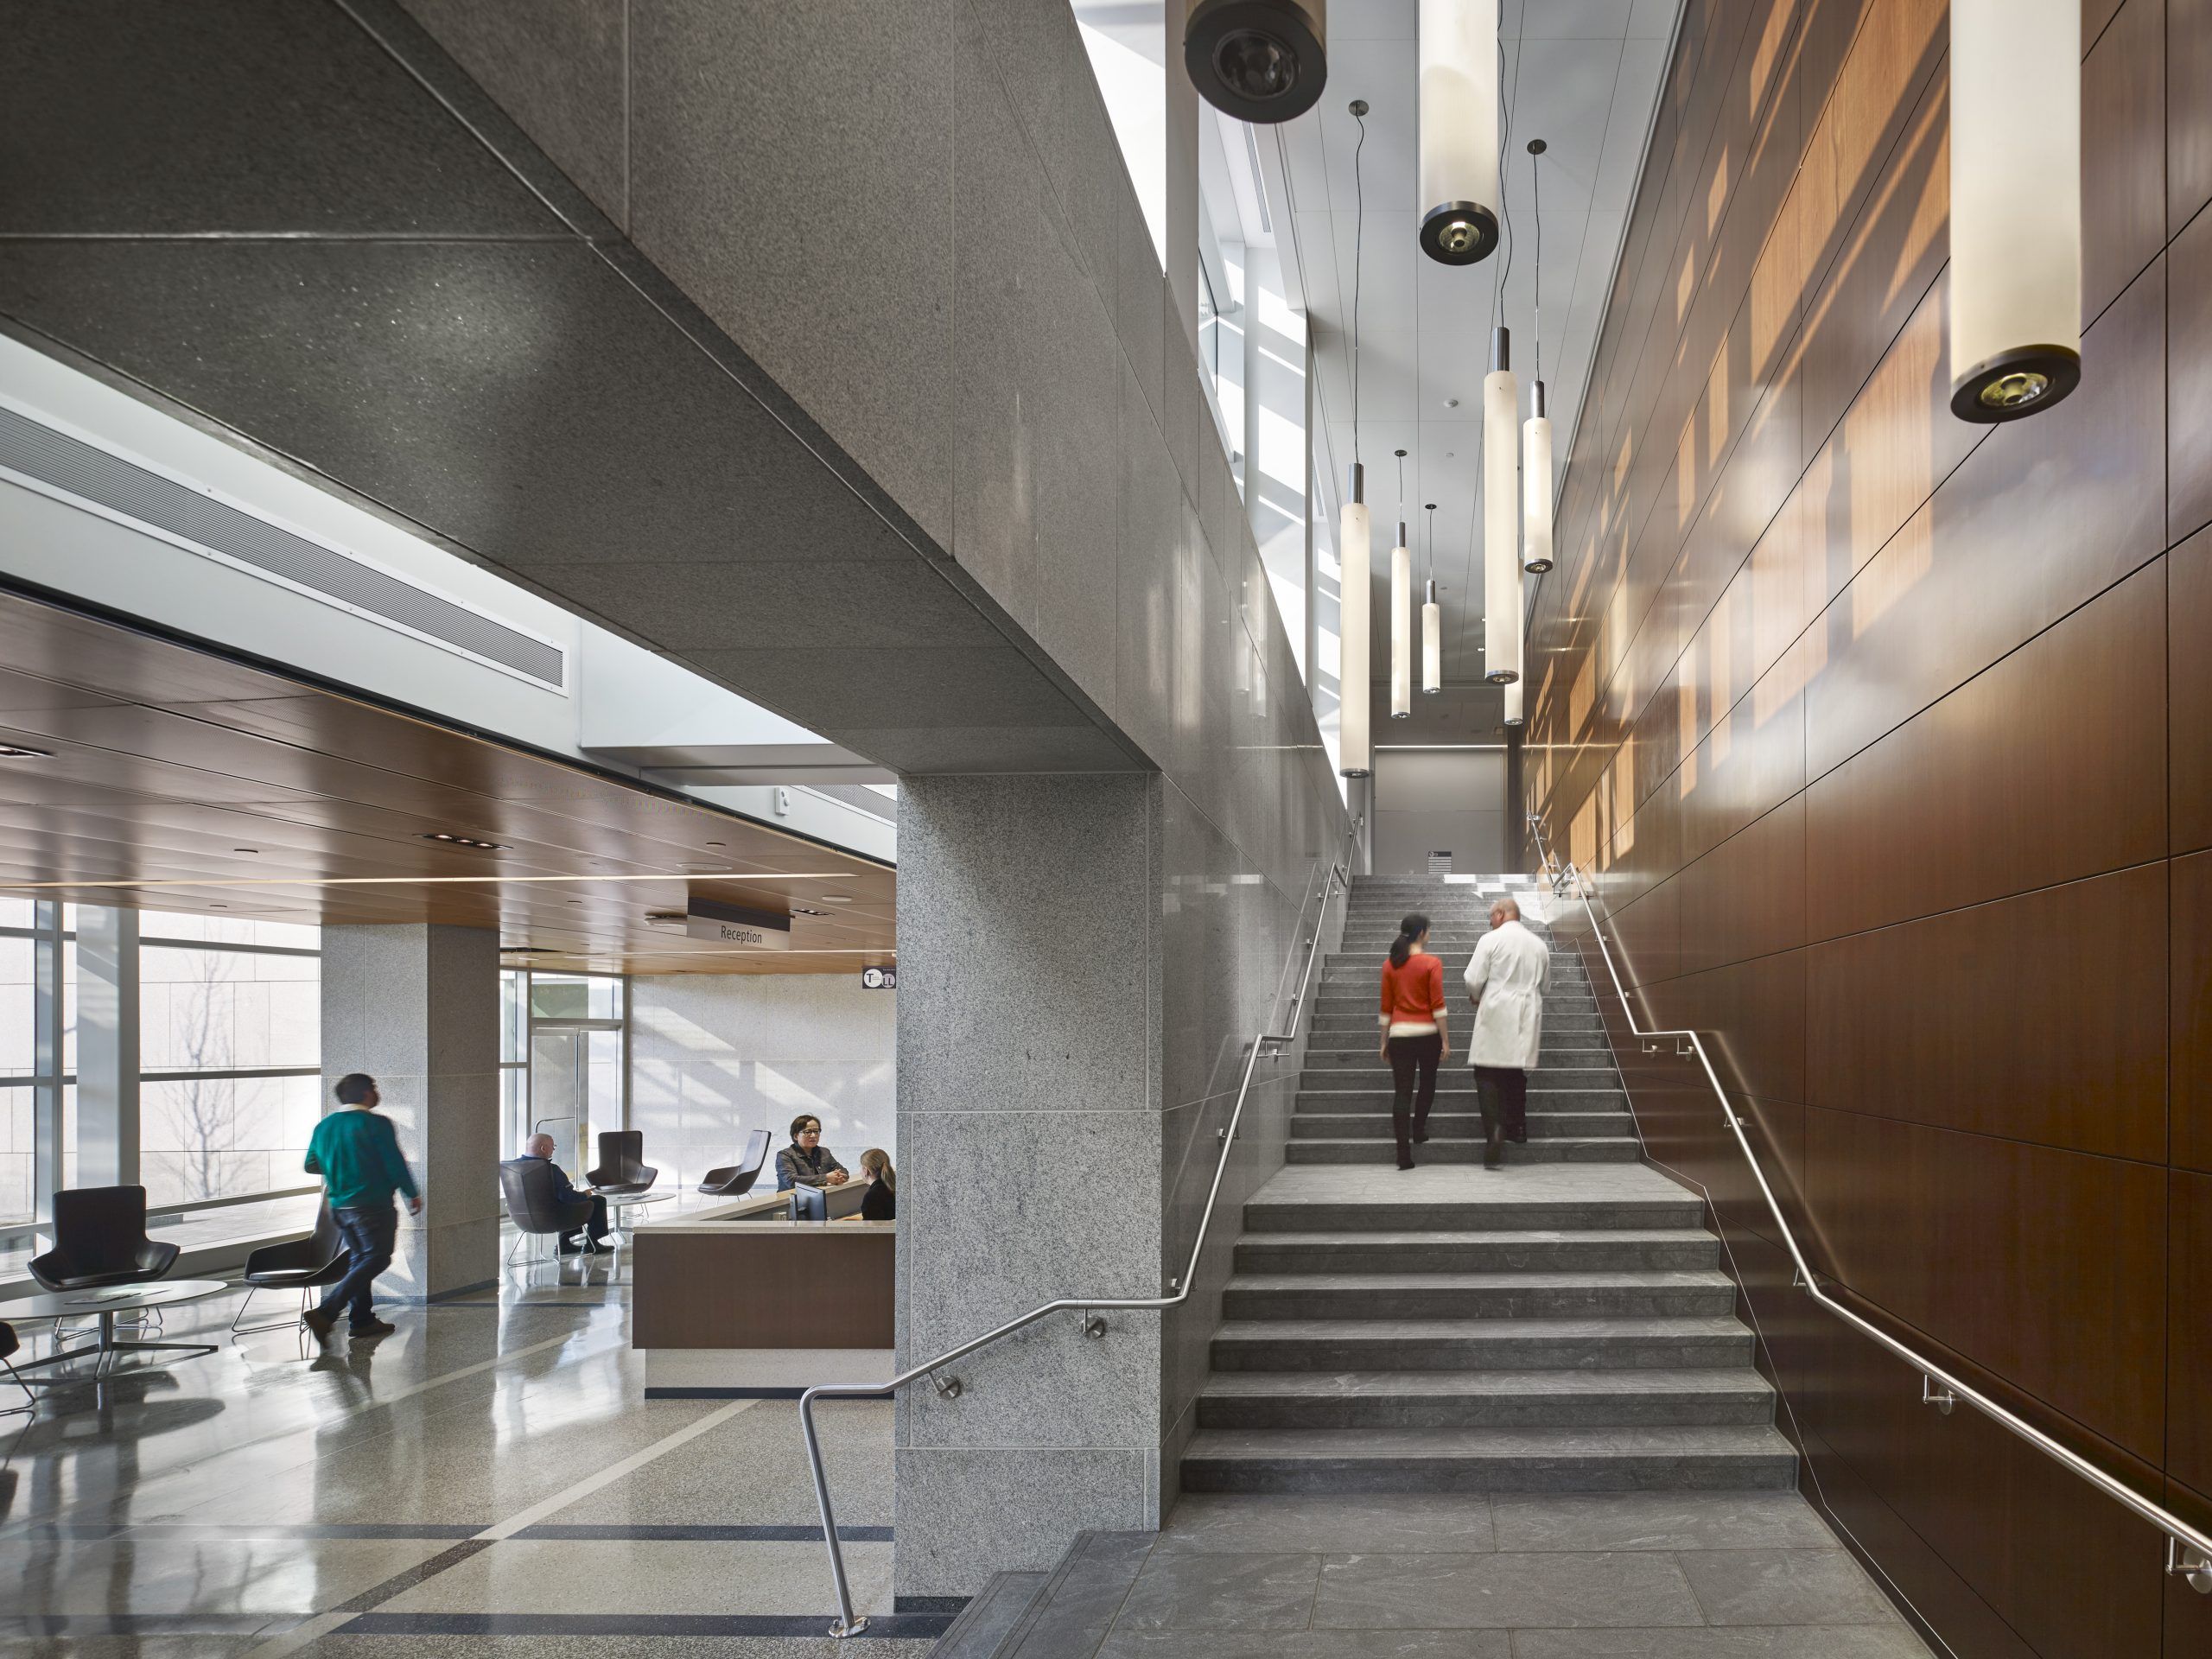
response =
{"points": [[1504, 146], [1359, 238]]}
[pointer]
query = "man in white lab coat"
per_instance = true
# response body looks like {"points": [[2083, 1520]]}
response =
{"points": [[1505, 982]]}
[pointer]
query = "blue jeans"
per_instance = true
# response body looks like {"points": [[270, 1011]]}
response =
{"points": [[810, 1203], [371, 1232]]}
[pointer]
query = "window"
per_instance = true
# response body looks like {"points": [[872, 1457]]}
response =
{"points": [[230, 1055]]}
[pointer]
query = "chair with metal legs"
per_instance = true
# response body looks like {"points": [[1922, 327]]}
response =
{"points": [[304, 1264], [9, 1343], [527, 1185]]}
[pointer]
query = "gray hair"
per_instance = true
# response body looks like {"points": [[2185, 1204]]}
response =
{"points": [[530, 1147], [1511, 907]]}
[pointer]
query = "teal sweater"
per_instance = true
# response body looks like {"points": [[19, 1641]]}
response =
{"points": [[356, 1154]]}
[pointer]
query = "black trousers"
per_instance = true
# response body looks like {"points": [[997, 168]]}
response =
{"points": [[1414, 1061], [589, 1214], [1504, 1092], [371, 1234]]}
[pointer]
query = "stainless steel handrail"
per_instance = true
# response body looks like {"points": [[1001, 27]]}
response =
{"points": [[2188, 1549], [847, 1623]]}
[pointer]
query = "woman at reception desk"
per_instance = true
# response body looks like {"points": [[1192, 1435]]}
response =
{"points": [[739, 1301]]}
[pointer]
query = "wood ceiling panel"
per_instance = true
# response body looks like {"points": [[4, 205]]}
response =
{"points": [[168, 762]]}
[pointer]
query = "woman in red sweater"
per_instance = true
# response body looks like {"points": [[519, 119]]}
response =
{"points": [[1414, 1038]]}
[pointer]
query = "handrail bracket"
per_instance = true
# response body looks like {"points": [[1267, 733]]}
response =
{"points": [[2191, 1564]]}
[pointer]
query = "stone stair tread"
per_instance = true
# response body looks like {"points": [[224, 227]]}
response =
{"points": [[1491, 1235], [1329, 1385], [1369, 1141], [1750, 1441], [1630, 1278], [1381, 1332]]}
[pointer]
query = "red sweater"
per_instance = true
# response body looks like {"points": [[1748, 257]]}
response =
{"points": [[1414, 995]]}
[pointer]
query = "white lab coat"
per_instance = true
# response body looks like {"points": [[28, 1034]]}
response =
{"points": [[1510, 968]]}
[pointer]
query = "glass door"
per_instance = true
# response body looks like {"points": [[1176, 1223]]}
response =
{"points": [[577, 1077]]}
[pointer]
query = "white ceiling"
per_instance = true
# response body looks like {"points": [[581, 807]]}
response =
{"points": [[1580, 74]]}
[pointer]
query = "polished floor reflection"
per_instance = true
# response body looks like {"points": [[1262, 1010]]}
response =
{"points": [[488, 1476]]}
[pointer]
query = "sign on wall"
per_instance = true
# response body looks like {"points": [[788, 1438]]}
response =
{"points": [[878, 979]]}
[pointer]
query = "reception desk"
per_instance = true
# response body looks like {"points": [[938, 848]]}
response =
{"points": [[737, 1301]]}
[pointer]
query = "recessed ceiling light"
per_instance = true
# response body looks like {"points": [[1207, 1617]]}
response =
{"points": [[801, 910], [470, 841], [23, 752], [256, 851], [218, 906], [717, 843], [837, 897]]}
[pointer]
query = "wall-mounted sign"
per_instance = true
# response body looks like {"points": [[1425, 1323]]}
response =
{"points": [[748, 929], [878, 979]]}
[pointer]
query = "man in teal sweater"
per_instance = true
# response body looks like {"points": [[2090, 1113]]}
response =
{"points": [[356, 1154]]}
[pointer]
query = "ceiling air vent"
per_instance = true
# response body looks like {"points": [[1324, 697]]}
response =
{"points": [[86, 474]]}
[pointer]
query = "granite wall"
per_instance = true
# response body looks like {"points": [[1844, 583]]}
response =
{"points": [[715, 1056], [417, 1007]]}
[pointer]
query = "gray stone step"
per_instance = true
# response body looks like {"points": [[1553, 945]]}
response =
{"points": [[1331, 1091], [1347, 1016], [1560, 1345], [1593, 1150], [1367, 1070], [1066, 1615], [1457, 1126], [989, 1616], [1485, 1250], [1252, 1400], [1734, 1459], [1365, 1048], [1634, 1293], [1412, 1214]]}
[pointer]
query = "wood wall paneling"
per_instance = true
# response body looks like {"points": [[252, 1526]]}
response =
{"points": [[2188, 111], [2040, 1018], [2048, 1267], [2191, 1021], [2189, 413], [2189, 1329], [1981, 794], [2123, 152]]}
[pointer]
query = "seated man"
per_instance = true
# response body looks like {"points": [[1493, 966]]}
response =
{"points": [[806, 1169], [578, 1207]]}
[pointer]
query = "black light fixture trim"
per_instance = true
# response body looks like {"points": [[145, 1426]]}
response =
{"points": [[2012, 384], [1260, 60], [1459, 233], [470, 841], [23, 752]]}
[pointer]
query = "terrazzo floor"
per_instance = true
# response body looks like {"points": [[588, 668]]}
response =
{"points": [[488, 1478]]}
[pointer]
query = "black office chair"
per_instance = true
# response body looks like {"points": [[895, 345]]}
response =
{"points": [[527, 1185], [305, 1264], [622, 1165], [737, 1179], [99, 1238]]}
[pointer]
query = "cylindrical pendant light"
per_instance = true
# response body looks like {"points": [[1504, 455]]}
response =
{"points": [[1402, 610], [1260, 60], [1432, 621], [1459, 130], [2015, 206], [1536, 434], [1501, 514], [1354, 757], [1536, 485], [1355, 750], [1513, 705]]}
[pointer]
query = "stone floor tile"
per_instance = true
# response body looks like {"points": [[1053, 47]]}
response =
{"points": [[1833, 1642], [1307, 1644], [606, 1578], [1398, 1522], [1784, 1586], [1492, 1591], [1222, 1592], [1546, 1521]]}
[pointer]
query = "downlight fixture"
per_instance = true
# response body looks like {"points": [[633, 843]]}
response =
{"points": [[23, 752], [1258, 60], [469, 841], [1513, 718], [1459, 77], [2016, 207]]}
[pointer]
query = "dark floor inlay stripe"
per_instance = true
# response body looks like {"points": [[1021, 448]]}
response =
{"points": [[377, 1595], [909, 1626], [678, 1533]]}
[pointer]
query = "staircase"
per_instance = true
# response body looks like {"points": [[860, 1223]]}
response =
{"points": [[1576, 1113], [1559, 1325]]}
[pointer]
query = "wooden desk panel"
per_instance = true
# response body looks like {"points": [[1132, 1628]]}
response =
{"points": [[765, 1284]]}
